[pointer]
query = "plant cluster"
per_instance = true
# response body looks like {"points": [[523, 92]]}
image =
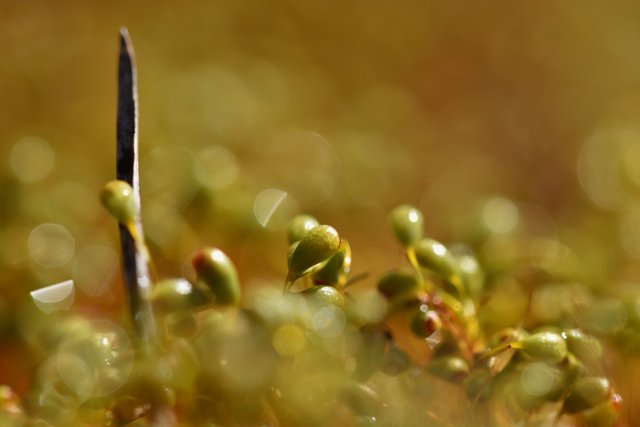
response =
{"points": [[320, 351], [447, 339]]}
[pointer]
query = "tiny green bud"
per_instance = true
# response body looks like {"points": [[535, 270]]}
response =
{"points": [[335, 271], [407, 223], [176, 294], [573, 369], [117, 197], [537, 383], [425, 322], [587, 393], [545, 346], [585, 347], [471, 274], [437, 258], [316, 246], [603, 415], [324, 295], [398, 282], [215, 269], [299, 226], [449, 368]]}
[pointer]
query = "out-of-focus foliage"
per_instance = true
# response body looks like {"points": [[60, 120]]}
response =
{"points": [[512, 125]]}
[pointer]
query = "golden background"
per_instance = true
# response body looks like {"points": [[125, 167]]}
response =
{"points": [[348, 107]]}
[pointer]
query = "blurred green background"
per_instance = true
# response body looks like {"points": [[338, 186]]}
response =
{"points": [[501, 117]]}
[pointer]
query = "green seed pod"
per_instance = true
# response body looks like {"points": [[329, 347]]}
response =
{"points": [[323, 296], [573, 369], [603, 415], [172, 295], [541, 382], [536, 383], [117, 197], [449, 368], [436, 257], [408, 224], [425, 322], [316, 246], [335, 271], [398, 282], [215, 269], [585, 347], [299, 226], [587, 392], [471, 274], [545, 346]]}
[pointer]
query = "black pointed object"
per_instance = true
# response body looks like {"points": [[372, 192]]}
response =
{"points": [[135, 264]]}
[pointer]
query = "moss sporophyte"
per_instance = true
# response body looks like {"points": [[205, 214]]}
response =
{"points": [[323, 352]]}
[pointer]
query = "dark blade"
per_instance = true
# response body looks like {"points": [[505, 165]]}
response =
{"points": [[135, 267]]}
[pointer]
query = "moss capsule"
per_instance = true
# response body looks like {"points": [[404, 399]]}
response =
{"points": [[320, 243], [585, 347], [436, 257], [587, 392], [449, 368], [324, 295], [408, 224], [215, 269], [117, 196], [335, 271], [176, 294], [471, 274], [545, 346], [398, 282], [299, 226], [425, 322], [603, 415]]}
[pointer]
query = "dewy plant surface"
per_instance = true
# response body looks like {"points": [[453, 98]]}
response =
{"points": [[425, 344]]}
